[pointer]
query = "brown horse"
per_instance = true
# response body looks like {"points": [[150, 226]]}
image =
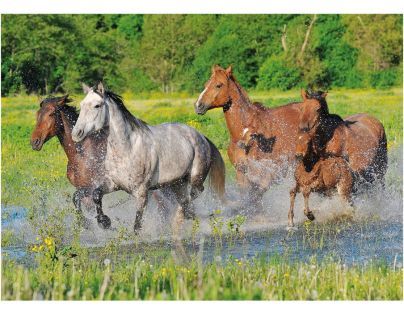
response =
{"points": [[360, 138], [273, 131], [85, 167], [319, 174]]}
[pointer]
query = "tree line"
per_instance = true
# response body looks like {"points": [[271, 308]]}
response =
{"points": [[47, 54]]}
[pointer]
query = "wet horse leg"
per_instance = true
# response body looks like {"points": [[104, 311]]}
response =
{"points": [[162, 205], [344, 189], [78, 195], [255, 196], [103, 220], [140, 195], [292, 193], [307, 211], [185, 209]]}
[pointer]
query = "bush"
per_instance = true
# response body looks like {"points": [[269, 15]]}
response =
{"points": [[276, 73], [386, 78]]}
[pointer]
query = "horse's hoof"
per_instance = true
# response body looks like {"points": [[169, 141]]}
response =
{"points": [[104, 221], [291, 228], [310, 216], [137, 227], [189, 215]]}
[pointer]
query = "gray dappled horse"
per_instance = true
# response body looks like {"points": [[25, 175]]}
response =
{"points": [[172, 157]]}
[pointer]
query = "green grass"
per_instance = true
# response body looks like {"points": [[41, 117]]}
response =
{"points": [[144, 279]]}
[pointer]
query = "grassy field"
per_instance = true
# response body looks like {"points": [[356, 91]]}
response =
{"points": [[28, 176]]}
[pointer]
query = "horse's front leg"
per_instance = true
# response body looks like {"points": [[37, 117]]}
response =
{"points": [[103, 220], [293, 193], [140, 195], [307, 211]]}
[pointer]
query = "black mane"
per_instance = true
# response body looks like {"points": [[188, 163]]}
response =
{"points": [[70, 111], [319, 96], [135, 122]]}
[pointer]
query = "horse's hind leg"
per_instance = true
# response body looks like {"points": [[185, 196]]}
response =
{"points": [[77, 197], [344, 189], [103, 220], [185, 208], [163, 208], [141, 197]]}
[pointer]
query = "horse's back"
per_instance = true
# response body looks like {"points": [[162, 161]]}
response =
{"points": [[365, 143], [180, 145], [283, 122]]}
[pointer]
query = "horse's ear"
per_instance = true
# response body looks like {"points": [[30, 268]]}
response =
{"points": [[324, 94], [86, 88], [303, 93], [100, 88], [215, 67], [229, 70], [62, 100]]}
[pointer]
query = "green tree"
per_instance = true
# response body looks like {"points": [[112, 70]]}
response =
{"points": [[244, 41]]}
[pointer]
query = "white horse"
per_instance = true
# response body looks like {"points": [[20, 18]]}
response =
{"points": [[172, 157]]}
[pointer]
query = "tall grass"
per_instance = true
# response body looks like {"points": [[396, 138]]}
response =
{"points": [[257, 279]]}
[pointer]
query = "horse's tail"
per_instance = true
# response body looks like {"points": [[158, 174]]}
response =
{"points": [[217, 172], [381, 157]]}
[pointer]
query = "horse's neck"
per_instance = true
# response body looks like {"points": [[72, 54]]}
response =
{"points": [[310, 161], [237, 116], [65, 137], [327, 131], [120, 130]]}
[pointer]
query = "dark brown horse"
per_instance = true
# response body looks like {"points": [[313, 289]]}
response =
{"points": [[85, 167], [360, 138], [273, 131], [315, 173]]}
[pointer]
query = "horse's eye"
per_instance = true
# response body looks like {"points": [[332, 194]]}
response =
{"points": [[97, 106], [218, 86]]}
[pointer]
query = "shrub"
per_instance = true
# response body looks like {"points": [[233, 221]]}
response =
{"points": [[386, 78], [277, 73]]}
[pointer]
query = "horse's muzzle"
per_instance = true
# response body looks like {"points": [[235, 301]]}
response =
{"points": [[36, 144], [77, 135], [201, 109]]}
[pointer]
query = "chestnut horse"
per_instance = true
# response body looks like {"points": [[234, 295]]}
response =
{"points": [[85, 167], [319, 174], [360, 138], [272, 129]]}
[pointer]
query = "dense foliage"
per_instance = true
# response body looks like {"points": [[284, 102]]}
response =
{"points": [[53, 53]]}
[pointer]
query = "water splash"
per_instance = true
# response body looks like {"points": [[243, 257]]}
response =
{"points": [[55, 209]]}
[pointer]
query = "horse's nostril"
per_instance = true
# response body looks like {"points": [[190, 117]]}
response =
{"points": [[37, 141]]}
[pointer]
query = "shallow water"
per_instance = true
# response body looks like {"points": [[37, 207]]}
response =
{"points": [[373, 232]]}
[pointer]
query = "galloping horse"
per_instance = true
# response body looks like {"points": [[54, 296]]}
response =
{"points": [[359, 138], [172, 157], [85, 167], [273, 130], [318, 173]]}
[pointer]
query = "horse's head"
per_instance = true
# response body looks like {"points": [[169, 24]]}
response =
{"points": [[314, 107], [303, 145], [48, 121], [216, 92], [93, 113]]}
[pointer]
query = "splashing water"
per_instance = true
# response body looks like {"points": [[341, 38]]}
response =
{"points": [[55, 210]]}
